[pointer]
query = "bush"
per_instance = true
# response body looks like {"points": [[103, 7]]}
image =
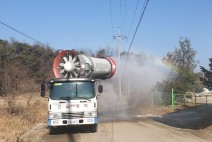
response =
{"points": [[19, 114]]}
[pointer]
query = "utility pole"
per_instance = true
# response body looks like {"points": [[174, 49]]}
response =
{"points": [[118, 37], [119, 58]]}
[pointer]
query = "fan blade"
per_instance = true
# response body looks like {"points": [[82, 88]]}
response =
{"points": [[65, 59], [61, 64], [74, 73], [89, 73], [76, 64], [77, 68], [66, 75], [69, 58], [75, 58], [70, 75], [62, 71]]}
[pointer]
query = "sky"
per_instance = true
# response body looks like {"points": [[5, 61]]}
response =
{"points": [[82, 24]]}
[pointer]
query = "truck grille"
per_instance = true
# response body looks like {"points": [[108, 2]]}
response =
{"points": [[72, 115]]}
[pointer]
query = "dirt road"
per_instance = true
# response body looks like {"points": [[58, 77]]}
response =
{"points": [[127, 130], [118, 126]]}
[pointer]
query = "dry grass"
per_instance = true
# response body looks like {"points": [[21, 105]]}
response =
{"points": [[20, 114]]}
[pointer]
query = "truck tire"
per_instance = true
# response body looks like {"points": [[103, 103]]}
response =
{"points": [[52, 130], [94, 128]]}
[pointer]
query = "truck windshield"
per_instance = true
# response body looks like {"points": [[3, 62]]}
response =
{"points": [[72, 90]]}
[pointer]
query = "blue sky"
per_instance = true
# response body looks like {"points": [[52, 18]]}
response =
{"points": [[71, 24]]}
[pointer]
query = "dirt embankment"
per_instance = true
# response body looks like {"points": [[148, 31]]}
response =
{"points": [[19, 114]]}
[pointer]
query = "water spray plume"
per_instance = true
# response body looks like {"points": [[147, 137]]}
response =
{"points": [[139, 78]]}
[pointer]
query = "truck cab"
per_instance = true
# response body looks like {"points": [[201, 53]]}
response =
{"points": [[72, 102]]}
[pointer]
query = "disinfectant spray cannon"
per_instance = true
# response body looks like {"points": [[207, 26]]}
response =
{"points": [[69, 64], [73, 93]]}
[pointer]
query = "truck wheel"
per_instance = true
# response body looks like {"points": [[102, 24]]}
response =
{"points": [[94, 128], [52, 130]]}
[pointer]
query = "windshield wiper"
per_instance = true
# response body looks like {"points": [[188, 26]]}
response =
{"points": [[65, 98]]}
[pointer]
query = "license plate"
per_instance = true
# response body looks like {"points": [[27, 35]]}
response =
{"points": [[72, 121]]}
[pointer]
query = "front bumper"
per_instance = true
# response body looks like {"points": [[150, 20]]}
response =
{"points": [[74, 121]]}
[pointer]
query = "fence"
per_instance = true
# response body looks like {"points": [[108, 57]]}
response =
{"points": [[190, 98], [174, 98]]}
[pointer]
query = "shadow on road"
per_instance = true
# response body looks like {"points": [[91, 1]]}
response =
{"points": [[66, 134], [70, 130], [188, 118]]}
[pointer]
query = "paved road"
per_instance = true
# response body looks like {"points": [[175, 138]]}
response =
{"points": [[112, 129]]}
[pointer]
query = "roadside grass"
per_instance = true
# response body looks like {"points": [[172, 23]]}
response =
{"points": [[19, 114]]}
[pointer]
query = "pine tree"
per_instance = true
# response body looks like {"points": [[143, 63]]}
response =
{"points": [[207, 79], [183, 58]]}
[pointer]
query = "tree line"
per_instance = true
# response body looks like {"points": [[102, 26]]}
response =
{"points": [[24, 66]]}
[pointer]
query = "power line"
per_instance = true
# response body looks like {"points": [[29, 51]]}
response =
{"points": [[22, 33], [120, 15], [111, 16], [131, 23], [139, 22], [125, 12]]}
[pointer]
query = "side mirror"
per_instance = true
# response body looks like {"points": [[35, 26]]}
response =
{"points": [[43, 89], [100, 88], [43, 94]]}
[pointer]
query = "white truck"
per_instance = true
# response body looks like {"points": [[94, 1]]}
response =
{"points": [[72, 102], [73, 93]]}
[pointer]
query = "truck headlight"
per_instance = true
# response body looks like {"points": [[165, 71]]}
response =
{"points": [[53, 115], [90, 114]]}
